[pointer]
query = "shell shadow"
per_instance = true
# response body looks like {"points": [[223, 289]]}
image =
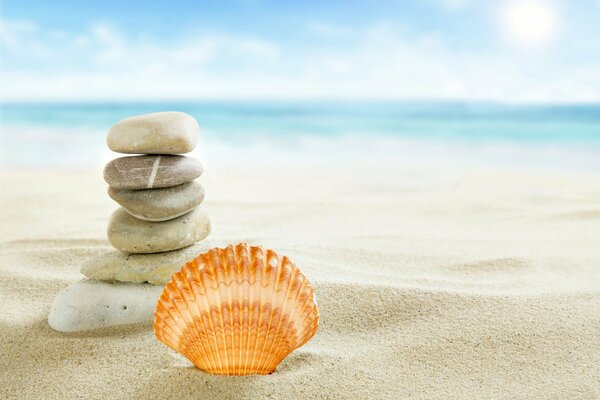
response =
{"points": [[190, 381]]}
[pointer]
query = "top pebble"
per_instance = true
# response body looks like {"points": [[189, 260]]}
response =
{"points": [[156, 133]]}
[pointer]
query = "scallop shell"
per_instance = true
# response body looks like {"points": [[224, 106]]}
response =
{"points": [[237, 311]]}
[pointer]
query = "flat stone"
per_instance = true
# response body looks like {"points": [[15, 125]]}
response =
{"points": [[157, 133], [132, 235], [159, 204], [90, 304], [114, 265], [149, 172]]}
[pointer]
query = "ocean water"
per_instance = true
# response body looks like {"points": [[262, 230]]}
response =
{"points": [[554, 136]]}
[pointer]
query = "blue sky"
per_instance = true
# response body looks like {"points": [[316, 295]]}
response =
{"points": [[506, 50]]}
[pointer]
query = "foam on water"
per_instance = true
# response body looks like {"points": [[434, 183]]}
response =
{"points": [[297, 133]]}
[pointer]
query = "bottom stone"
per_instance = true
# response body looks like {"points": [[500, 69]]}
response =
{"points": [[90, 304]]}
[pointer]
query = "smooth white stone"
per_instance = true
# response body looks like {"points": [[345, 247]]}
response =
{"points": [[157, 133], [90, 304]]}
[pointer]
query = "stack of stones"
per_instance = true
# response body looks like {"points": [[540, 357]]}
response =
{"points": [[155, 230], [158, 195]]}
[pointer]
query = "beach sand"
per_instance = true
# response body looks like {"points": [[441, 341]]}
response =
{"points": [[462, 284]]}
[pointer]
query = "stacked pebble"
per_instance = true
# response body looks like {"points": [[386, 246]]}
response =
{"points": [[154, 230], [158, 195]]}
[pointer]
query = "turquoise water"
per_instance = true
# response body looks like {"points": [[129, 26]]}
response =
{"points": [[33, 134]]}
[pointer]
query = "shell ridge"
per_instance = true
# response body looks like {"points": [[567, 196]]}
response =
{"points": [[160, 309], [208, 268], [195, 269], [257, 263], [241, 251], [263, 363], [239, 333], [247, 260], [175, 345], [161, 326], [283, 346], [310, 322], [192, 269], [277, 346], [219, 305], [275, 340], [165, 302], [267, 306], [170, 336], [228, 257], [189, 333], [304, 294], [264, 306], [308, 314], [296, 276], [310, 331], [218, 308], [234, 310]]}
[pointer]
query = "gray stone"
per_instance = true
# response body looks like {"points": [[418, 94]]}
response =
{"points": [[159, 204], [148, 172], [114, 265], [90, 304], [132, 235], [156, 133]]}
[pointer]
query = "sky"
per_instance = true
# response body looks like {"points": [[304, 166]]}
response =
{"points": [[502, 50]]}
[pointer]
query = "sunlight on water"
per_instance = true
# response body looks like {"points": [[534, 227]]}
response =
{"points": [[475, 133]]}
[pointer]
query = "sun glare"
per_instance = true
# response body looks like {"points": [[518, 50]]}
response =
{"points": [[530, 22]]}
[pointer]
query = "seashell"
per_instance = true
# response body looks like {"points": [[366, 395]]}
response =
{"points": [[237, 311]]}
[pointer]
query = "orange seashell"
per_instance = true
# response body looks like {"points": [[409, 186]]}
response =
{"points": [[237, 311]]}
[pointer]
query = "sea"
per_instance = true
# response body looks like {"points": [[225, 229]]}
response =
{"points": [[561, 136]]}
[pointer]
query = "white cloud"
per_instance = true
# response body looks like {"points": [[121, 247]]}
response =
{"points": [[385, 64], [454, 4], [103, 64], [328, 30], [13, 32]]}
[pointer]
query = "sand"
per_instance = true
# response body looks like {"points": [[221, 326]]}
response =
{"points": [[464, 284]]}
